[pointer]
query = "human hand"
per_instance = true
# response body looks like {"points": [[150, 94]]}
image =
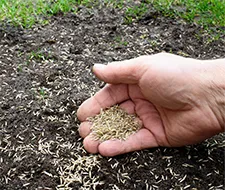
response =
{"points": [[173, 97]]}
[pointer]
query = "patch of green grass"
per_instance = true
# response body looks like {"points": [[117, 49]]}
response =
{"points": [[26, 13], [42, 92], [135, 12], [119, 41], [38, 55], [204, 12]]}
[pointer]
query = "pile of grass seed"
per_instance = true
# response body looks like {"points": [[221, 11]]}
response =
{"points": [[113, 123]]}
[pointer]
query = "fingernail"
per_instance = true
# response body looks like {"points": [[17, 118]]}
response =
{"points": [[99, 66]]}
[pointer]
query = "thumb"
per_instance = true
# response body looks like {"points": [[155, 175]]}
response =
{"points": [[127, 72]]}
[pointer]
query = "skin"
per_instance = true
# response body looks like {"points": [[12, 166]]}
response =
{"points": [[179, 101]]}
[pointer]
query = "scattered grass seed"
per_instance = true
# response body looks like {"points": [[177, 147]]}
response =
{"points": [[113, 123]]}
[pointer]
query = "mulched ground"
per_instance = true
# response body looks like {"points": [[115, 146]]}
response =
{"points": [[45, 74]]}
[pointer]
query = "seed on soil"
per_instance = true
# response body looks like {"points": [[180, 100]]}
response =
{"points": [[113, 123]]}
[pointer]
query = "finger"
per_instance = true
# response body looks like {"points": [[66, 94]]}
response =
{"points": [[141, 140], [90, 144], [126, 72], [84, 129], [106, 97]]}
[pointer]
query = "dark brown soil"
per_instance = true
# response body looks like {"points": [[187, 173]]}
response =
{"points": [[45, 74]]}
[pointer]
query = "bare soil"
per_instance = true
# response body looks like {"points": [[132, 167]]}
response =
{"points": [[45, 74]]}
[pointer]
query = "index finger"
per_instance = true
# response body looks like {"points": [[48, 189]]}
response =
{"points": [[110, 95]]}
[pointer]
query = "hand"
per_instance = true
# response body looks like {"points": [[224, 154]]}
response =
{"points": [[170, 94]]}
